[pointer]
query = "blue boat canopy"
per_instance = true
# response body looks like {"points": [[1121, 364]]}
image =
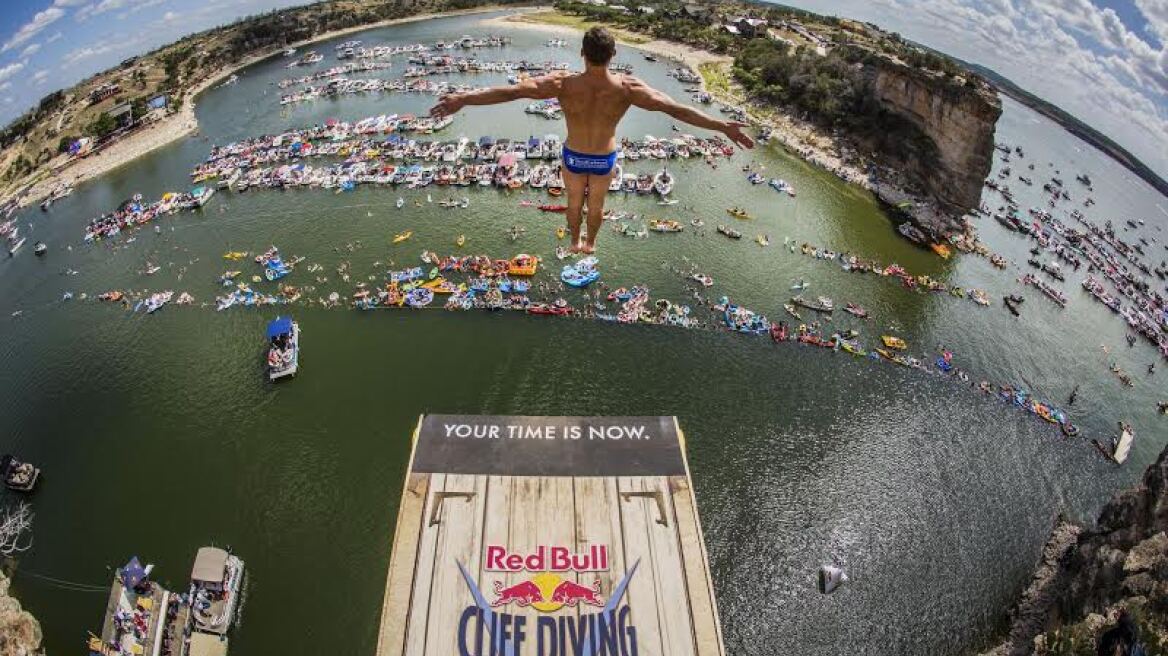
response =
{"points": [[279, 326], [486, 141], [133, 573]]}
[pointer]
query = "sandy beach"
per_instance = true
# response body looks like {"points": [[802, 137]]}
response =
{"points": [[180, 124]]}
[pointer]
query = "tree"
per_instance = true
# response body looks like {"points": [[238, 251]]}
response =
{"points": [[103, 126], [14, 523]]}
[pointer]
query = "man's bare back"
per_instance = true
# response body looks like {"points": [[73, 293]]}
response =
{"points": [[594, 101]]}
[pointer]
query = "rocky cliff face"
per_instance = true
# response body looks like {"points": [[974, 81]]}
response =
{"points": [[20, 634], [958, 119], [1087, 576]]}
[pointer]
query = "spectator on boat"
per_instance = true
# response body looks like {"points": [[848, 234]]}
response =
{"points": [[593, 102]]}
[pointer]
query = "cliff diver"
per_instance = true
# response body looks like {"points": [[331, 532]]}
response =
{"points": [[593, 102]]}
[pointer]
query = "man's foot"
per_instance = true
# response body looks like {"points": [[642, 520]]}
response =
{"points": [[577, 247], [587, 248]]}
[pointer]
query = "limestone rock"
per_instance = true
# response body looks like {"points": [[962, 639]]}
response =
{"points": [[20, 633]]}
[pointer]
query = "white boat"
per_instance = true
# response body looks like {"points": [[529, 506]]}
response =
{"points": [[283, 348], [617, 175], [400, 201], [14, 246], [1121, 445], [216, 584]]}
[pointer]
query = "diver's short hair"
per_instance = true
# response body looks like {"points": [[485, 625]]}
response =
{"points": [[599, 46]]}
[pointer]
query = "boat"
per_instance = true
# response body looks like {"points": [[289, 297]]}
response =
{"points": [[15, 244], [40, 248], [893, 342], [738, 213], [155, 302], [733, 234], [548, 207], [460, 241], [234, 255], [580, 274], [821, 304], [856, 310], [402, 236], [792, 311], [523, 265], [1120, 444], [216, 589], [663, 182], [400, 201], [283, 348], [559, 308], [800, 286], [941, 249], [561, 232], [703, 279], [19, 476], [763, 240], [665, 225]]}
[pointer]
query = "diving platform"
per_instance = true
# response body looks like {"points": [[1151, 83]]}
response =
{"points": [[548, 536]]}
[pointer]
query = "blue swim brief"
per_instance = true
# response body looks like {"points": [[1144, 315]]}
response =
{"points": [[583, 163]]}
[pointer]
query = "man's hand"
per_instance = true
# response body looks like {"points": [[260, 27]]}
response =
{"points": [[447, 105], [733, 130]]}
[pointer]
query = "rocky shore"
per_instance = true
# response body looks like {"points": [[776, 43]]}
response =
{"points": [[1088, 576], [20, 633]]}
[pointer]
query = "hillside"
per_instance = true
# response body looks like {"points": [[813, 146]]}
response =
{"points": [[36, 145]]}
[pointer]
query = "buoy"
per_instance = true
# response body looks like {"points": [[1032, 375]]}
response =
{"points": [[831, 578]]}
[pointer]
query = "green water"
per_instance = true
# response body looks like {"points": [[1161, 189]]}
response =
{"points": [[158, 434]]}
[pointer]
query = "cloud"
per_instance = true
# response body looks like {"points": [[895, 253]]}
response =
{"points": [[55, 37], [102, 6], [39, 22], [6, 72], [30, 49], [169, 17], [1074, 53], [78, 55], [5, 86], [40, 76], [68, 3]]}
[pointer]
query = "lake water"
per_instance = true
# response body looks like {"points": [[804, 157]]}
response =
{"points": [[157, 434]]}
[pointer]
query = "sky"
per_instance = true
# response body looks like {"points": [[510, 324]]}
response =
{"points": [[1105, 61]]}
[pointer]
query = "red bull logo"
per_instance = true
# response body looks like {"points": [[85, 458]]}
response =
{"points": [[547, 558], [485, 629], [547, 593]]}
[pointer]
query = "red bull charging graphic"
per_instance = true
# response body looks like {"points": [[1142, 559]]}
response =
{"points": [[499, 626]]}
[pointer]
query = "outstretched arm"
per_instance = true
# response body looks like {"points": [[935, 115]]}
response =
{"points": [[538, 88], [646, 97]]}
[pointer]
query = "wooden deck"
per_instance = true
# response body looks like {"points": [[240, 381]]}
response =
{"points": [[488, 551]]}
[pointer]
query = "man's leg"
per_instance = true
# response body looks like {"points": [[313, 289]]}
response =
{"points": [[575, 184], [597, 190]]}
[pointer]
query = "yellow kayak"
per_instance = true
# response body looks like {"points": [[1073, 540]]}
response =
{"points": [[941, 249], [893, 342], [234, 255], [738, 213], [561, 232], [400, 237], [460, 241]]}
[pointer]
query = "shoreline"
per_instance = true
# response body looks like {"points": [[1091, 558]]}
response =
{"points": [[182, 123]]}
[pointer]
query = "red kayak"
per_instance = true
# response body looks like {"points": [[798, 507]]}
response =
{"points": [[553, 208]]}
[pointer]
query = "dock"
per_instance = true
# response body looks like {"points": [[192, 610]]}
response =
{"points": [[548, 536]]}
